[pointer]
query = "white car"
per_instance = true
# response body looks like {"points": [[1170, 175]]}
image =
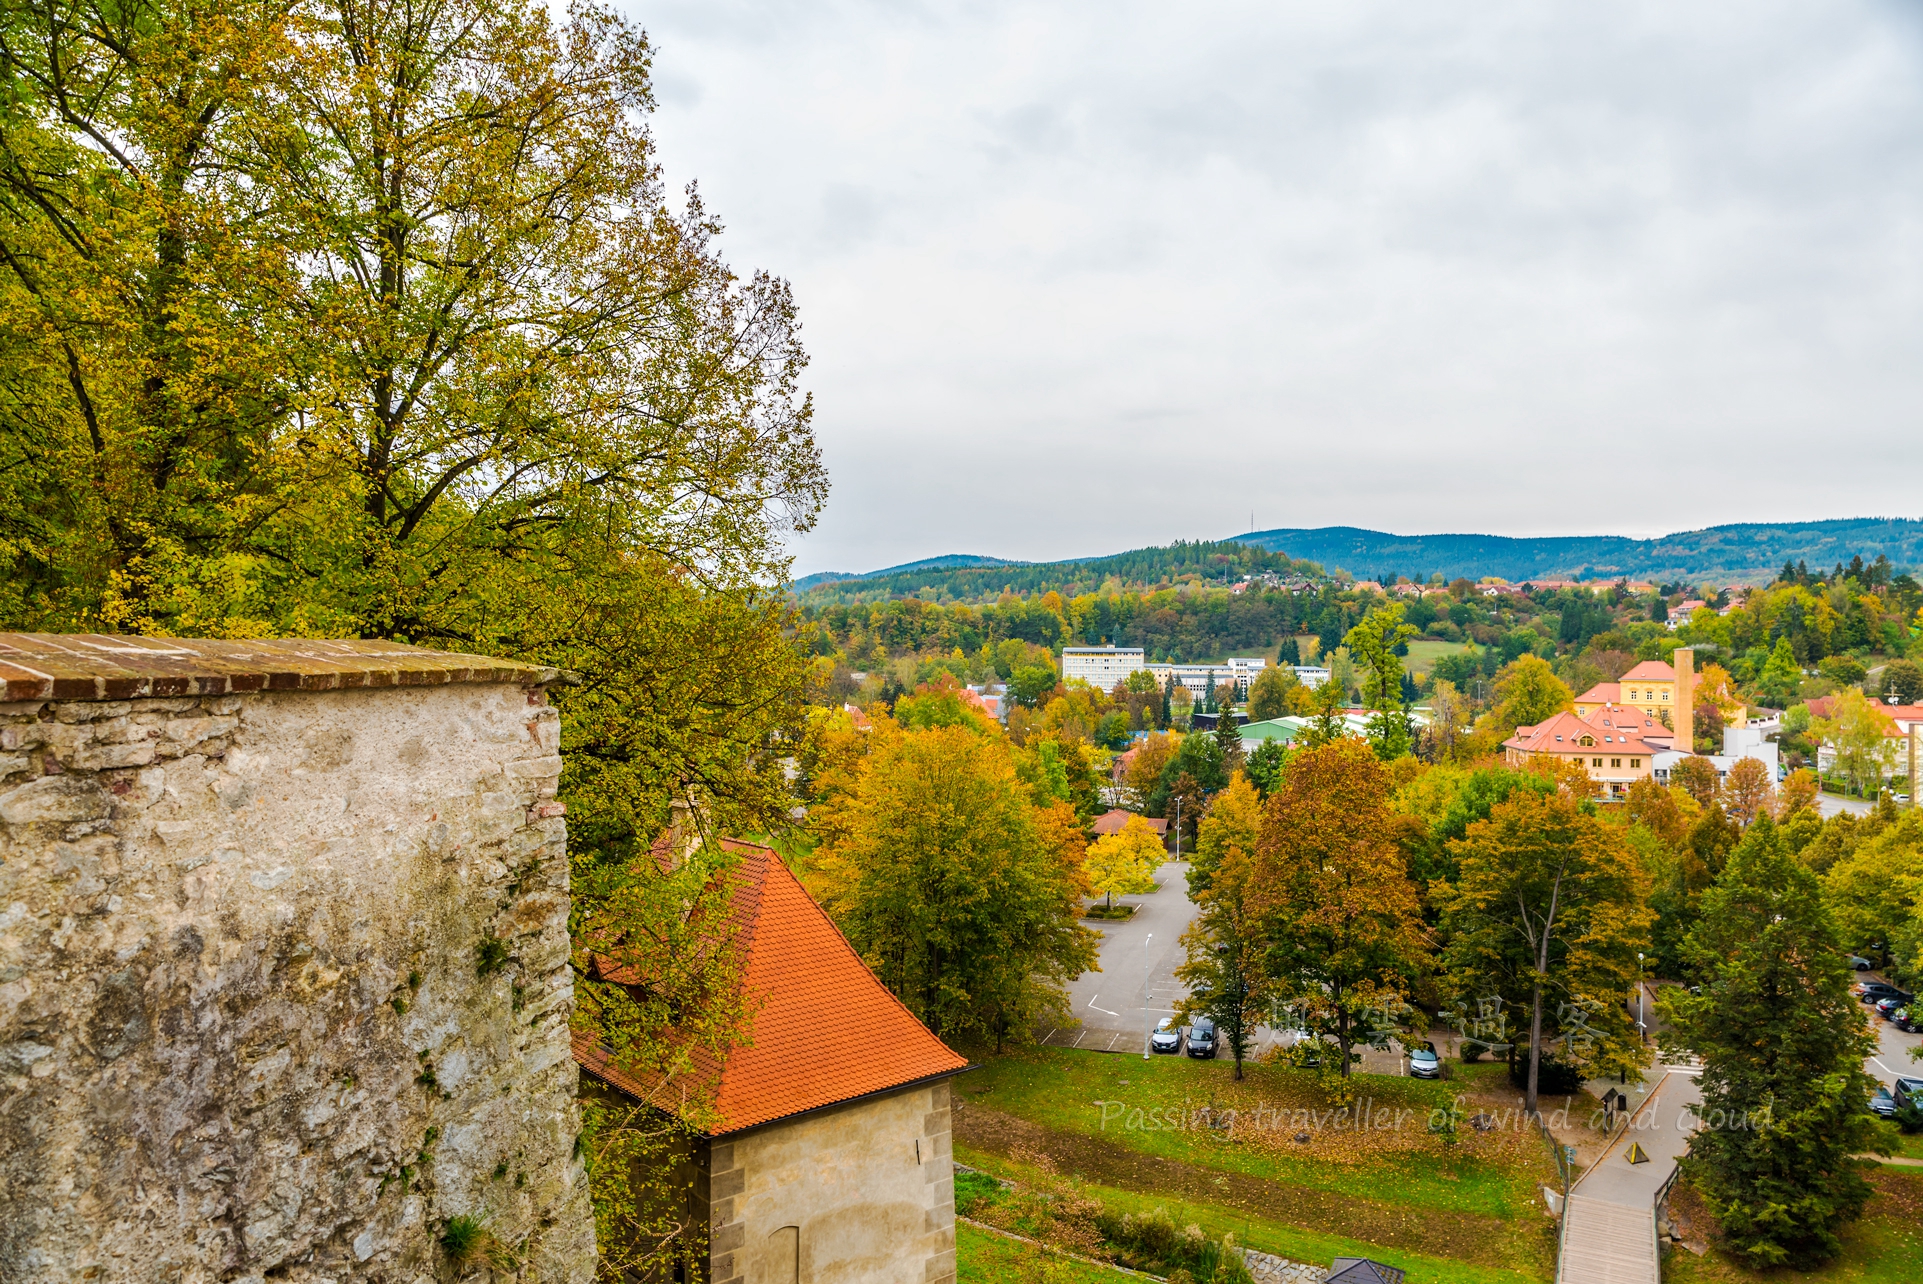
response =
{"points": [[1167, 1036]]}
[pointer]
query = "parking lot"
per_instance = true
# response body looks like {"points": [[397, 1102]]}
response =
{"points": [[1892, 1060]]}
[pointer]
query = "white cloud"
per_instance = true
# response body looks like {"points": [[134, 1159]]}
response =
{"points": [[1077, 278]]}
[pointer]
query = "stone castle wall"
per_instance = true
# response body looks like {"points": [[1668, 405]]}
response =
{"points": [[284, 987]]}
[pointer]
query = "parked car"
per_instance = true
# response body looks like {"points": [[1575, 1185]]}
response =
{"points": [[1202, 1038], [1860, 963], [1167, 1036], [1902, 1020], [1882, 1104], [1875, 991], [1908, 1090], [1886, 1008], [1424, 1063]]}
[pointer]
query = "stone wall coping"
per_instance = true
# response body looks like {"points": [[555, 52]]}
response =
{"points": [[99, 666]]}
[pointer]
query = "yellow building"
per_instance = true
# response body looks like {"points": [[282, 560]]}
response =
{"points": [[1650, 687], [1608, 745]]}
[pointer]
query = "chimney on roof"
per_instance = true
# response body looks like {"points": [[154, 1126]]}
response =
{"points": [[1684, 662]]}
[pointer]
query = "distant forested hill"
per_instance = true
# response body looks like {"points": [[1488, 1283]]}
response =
{"points": [[1742, 553], [1750, 551], [1198, 561], [944, 562]]}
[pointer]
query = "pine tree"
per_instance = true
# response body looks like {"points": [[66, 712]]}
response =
{"points": [[1783, 1042], [1228, 734]]}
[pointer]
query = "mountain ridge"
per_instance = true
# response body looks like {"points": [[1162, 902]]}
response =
{"points": [[1740, 550]]}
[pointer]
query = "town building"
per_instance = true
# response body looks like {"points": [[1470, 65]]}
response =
{"points": [[824, 1151], [1650, 687], [1112, 822], [1101, 666], [1903, 720], [1196, 677], [1616, 745], [1684, 612], [1738, 743]]}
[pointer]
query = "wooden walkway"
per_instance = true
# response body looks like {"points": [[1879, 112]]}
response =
{"points": [[1609, 1227]]}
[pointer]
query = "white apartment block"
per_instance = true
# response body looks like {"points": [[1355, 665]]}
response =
{"points": [[1100, 666], [1196, 677], [1103, 666]]}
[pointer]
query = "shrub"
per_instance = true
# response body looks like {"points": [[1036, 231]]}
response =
{"points": [[1152, 1242], [468, 1242], [490, 956], [973, 1190]]}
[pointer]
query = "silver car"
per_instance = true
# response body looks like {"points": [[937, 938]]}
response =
{"points": [[1424, 1063], [1167, 1036]]}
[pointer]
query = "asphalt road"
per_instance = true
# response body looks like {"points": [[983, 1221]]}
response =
{"points": [[1828, 805], [1136, 986], [1892, 1060]]}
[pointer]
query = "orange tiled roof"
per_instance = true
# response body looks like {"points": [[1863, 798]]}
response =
{"points": [[1820, 707], [1650, 671], [1111, 822], [825, 1031], [1601, 693], [1615, 727]]}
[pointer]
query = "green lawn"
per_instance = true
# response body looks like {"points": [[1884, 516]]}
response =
{"points": [[1424, 654], [985, 1258], [1059, 1088], [1463, 1212], [1296, 1243]]}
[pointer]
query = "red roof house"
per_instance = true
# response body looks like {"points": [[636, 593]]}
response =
{"points": [[833, 1113]]}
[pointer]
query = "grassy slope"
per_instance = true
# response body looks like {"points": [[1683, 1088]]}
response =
{"points": [[1885, 1247], [1266, 1235], [1423, 654], [1057, 1087], [985, 1258], [1474, 1202]]}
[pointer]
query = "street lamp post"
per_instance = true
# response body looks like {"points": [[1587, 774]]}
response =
{"points": [[1178, 828], [1641, 1029], [1148, 1014]]}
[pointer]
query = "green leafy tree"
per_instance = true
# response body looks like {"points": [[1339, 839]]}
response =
{"points": [[1904, 680], [1328, 706], [1527, 692], [1269, 693], [1233, 819], [1547, 913], [1031, 685], [1374, 643], [1783, 1043], [1224, 951], [1228, 739], [1858, 733], [1781, 678], [945, 883], [1266, 766]]}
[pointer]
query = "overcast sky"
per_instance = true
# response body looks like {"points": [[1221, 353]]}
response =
{"points": [[1080, 278]]}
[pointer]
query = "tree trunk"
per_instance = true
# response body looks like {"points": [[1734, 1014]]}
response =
{"points": [[1535, 1047]]}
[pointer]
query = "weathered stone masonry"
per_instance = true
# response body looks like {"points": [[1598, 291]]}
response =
{"points": [[283, 964]]}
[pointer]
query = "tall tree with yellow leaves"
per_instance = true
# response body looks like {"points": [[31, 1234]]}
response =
{"points": [[1341, 917], [1124, 863]]}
